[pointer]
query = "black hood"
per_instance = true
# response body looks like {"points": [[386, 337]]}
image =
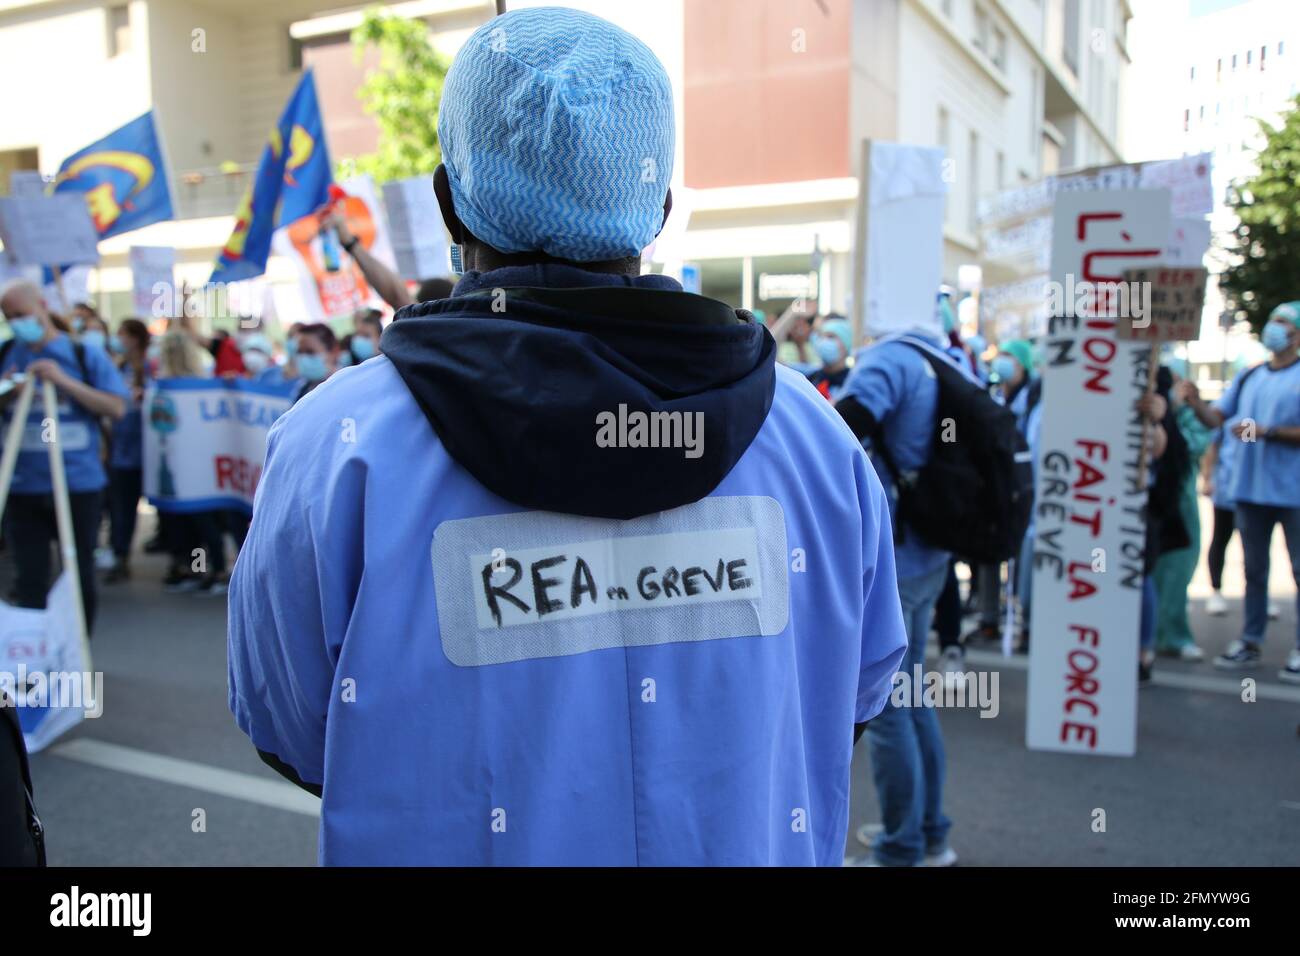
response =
{"points": [[523, 368]]}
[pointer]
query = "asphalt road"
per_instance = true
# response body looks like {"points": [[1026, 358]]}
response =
{"points": [[164, 777]]}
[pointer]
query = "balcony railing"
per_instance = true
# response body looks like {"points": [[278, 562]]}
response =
{"points": [[211, 191]]}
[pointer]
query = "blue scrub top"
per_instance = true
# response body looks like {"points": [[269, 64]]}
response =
{"points": [[677, 742], [894, 382], [1264, 472], [127, 453], [78, 429]]}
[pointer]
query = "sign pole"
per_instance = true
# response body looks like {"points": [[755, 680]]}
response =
{"points": [[63, 517], [14, 440]]}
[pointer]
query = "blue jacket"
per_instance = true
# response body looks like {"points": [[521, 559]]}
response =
{"points": [[498, 629]]}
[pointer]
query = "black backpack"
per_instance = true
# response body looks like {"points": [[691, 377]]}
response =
{"points": [[975, 494]]}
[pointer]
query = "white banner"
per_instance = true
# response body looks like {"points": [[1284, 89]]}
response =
{"points": [[1089, 524], [44, 669], [205, 441], [49, 232]]}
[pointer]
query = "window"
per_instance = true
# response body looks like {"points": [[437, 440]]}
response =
{"points": [[981, 38], [943, 127], [295, 54], [1202, 113], [974, 196], [1250, 57], [1187, 119], [1262, 50], [1034, 116], [1234, 62], [1070, 44], [1279, 47], [118, 20], [1193, 74], [1002, 170], [947, 8], [999, 52], [1218, 70]]}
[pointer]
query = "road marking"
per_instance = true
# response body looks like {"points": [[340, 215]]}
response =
{"points": [[991, 660], [187, 773]]}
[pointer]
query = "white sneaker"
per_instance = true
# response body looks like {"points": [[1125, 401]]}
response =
{"points": [[1291, 673], [946, 857], [1192, 653], [1215, 605], [868, 832], [952, 662], [1274, 612]]}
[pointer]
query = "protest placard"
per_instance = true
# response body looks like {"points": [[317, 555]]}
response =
{"points": [[1174, 299], [415, 228], [899, 238], [152, 279], [1090, 529], [50, 231], [205, 441]]}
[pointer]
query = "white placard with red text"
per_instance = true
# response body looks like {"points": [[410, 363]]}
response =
{"points": [[205, 441], [1089, 524]]}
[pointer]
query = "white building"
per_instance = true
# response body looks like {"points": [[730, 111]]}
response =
{"points": [[774, 99], [1209, 70]]}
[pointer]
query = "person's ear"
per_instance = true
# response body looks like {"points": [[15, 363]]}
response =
{"points": [[442, 189], [668, 207]]}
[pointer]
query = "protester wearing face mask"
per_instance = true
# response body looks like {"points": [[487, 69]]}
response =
{"points": [[833, 343], [89, 388], [92, 330], [1264, 401], [316, 356], [255, 350], [364, 341], [126, 458]]}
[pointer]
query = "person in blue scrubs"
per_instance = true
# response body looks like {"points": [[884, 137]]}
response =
{"points": [[891, 399], [572, 573], [1264, 404], [89, 389], [126, 455]]}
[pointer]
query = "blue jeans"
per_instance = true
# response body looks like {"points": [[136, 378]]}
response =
{"points": [[906, 746], [1256, 524]]}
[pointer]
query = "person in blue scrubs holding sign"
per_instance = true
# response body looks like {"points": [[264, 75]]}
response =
{"points": [[90, 388], [1263, 403], [571, 573]]}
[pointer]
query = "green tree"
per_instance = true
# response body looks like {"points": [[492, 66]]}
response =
{"points": [[402, 94], [1264, 251]]}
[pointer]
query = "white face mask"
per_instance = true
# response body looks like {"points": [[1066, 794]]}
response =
{"points": [[256, 361]]}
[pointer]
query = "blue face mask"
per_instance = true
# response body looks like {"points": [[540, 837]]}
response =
{"points": [[94, 338], [363, 348], [827, 349], [291, 347], [27, 329], [311, 367], [115, 345], [1276, 337], [1005, 368]]}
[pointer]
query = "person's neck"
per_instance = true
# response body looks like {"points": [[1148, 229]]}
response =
{"points": [[51, 333], [486, 259], [1282, 360]]}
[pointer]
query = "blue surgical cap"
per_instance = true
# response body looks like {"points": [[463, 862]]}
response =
{"points": [[556, 130]]}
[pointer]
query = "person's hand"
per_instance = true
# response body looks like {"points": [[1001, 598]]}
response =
{"points": [[1153, 406], [329, 219], [1182, 392], [1240, 429], [1207, 486], [48, 370]]}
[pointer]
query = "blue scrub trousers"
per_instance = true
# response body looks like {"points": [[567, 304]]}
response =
{"points": [[906, 746], [1256, 525]]}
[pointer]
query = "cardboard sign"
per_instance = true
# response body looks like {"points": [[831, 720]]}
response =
{"points": [[900, 238], [49, 232], [1174, 300], [1188, 178], [152, 267], [415, 228], [1090, 528]]}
